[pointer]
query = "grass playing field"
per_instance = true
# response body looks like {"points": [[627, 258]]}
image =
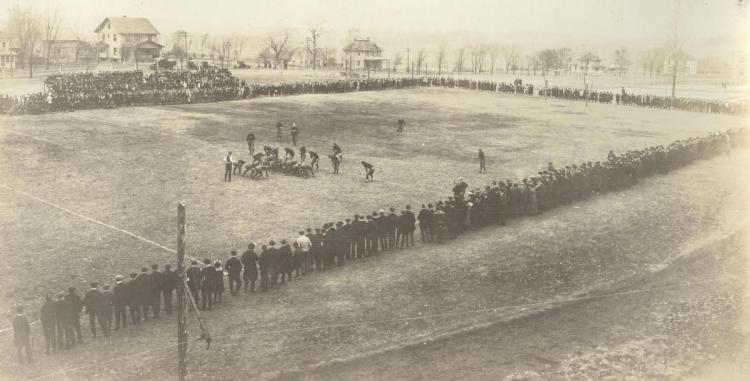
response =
{"points": [[129, 167]]}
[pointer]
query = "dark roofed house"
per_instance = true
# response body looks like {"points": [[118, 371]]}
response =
{"points": [[363, 54], [127, 38]]}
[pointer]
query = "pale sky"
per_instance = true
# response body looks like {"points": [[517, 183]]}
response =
{"points": [[577, 21]]}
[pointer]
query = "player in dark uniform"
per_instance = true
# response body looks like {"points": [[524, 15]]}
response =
{"points": [[369, 170], [336, 162], [302, 153], [401, 123], [314, 159], [337, 152]]}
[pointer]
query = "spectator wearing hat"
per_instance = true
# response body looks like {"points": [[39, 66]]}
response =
{"points": [[194, 280], [207, 285], [392, 227], [106, 309], [134, 299], [218, 289], [73, 307], [144, 283], [249, 261], [266, 263], [169, 282], [286, 264], [92, 302], [406, 226], [234, 270]]}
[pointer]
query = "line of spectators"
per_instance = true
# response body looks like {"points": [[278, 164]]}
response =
{"points": [[332, 245], [75, 91]]}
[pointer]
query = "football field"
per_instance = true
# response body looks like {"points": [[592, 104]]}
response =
{"points": [[129, 167]]}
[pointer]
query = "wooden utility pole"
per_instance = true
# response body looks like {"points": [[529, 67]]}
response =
{"points": [[182, 336]]}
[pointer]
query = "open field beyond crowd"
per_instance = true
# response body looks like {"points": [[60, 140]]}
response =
{"points": [[129, 167]]}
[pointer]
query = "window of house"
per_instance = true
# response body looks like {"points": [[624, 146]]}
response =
{"points": [[114, 36], [107, 26], [114, 51], [3, 44]]}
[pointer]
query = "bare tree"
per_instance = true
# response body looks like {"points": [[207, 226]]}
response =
{"points": [[24, 25], [329, 57], [225, 50], [239, 46], [459, 63], [564, 59], [478, 54], [420, 60], [622, 60], [652, 61], [441, 54], [548, 59], [52, 21], [493, 52], [397, 61], [204, 44], [510, 55], [532, 60], [277, 44], [315, 33], [586, 60]]}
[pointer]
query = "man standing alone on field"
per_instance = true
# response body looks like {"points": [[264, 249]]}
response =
{"points": [[482, 160], [279, 127], [228, 161], [401, 123], [294, 133], [251, 143]]}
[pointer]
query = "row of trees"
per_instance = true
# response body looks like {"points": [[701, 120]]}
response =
{"points": [[481, 58], [276, 47], [31, 31]]}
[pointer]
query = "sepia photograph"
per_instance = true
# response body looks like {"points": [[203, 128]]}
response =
{"points": [[317, 190]]}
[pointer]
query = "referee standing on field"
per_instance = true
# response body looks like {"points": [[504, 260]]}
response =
{"points": [[228, 167]]}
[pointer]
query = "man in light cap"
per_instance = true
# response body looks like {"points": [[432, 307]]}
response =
{"points": [[120, 301], [459, 189]]}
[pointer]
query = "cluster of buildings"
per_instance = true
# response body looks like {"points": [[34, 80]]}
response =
{"points": [[128, 39]]}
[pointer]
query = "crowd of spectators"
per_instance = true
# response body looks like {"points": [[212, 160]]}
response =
{"points": [[75, 91]]}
